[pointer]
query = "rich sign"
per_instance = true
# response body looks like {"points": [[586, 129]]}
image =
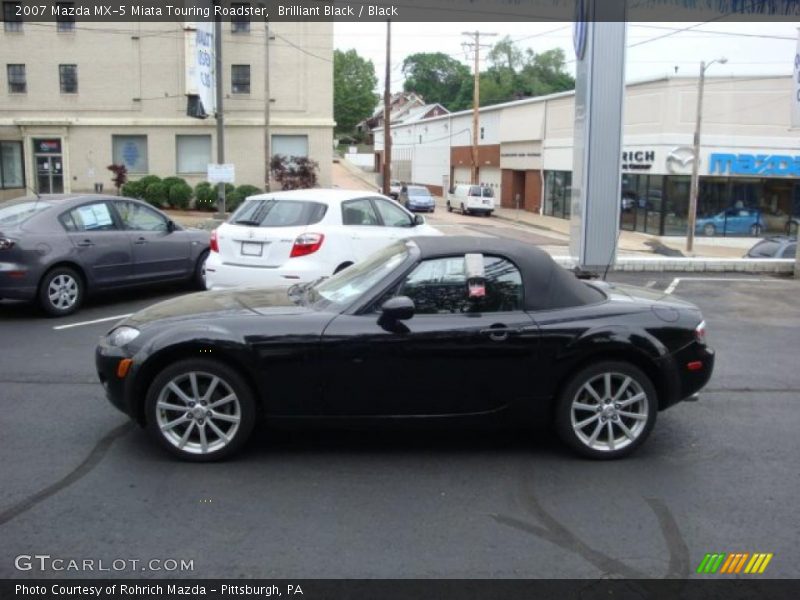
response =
{"points": [[754, 164]]}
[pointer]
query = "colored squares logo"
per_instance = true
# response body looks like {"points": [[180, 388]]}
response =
{"points": [[734, 563]]}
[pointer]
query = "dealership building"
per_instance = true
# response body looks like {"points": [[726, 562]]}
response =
{"points": [[749, 157]]}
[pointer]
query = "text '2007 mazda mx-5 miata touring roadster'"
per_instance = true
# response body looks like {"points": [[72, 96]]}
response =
{"points": [[447, 328]]}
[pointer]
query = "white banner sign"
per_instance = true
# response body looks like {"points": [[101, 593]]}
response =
{"points": [[796, 86], [204, 66], [221, 173]]}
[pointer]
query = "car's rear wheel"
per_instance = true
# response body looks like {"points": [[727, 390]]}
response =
{"points": [[464, 210], [709, 230], [61, 292], [200, 410], [606, 410], [449, 207], [199, 278]]}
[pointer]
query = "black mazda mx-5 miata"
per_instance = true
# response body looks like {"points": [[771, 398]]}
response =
{"points": [[457, 328]]}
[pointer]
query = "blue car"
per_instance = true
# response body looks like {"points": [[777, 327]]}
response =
{"points": [[743, 221], [417, 197]]}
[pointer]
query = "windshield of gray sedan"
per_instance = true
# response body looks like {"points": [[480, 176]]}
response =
{"points": [[15, 213], [347, 285]]}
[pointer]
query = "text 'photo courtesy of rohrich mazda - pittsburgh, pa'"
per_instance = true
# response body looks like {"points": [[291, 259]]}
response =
{"points": [[428, 300]]}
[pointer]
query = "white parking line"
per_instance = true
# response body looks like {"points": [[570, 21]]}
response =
{"points": [[82, 323], [671, 287]]}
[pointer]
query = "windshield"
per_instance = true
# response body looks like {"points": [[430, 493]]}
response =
{"points": [[15, 213], [279, 213], [488, 192], [354, 281], [418, 192]]}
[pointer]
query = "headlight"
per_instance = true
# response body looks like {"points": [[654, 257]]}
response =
{"points": [[123, 335]]}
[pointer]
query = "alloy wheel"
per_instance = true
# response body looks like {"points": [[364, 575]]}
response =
{"points": [[198, 412], [62, 291], [609, 412]]}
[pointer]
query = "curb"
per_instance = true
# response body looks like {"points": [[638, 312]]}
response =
{"points": [[693, 265]]}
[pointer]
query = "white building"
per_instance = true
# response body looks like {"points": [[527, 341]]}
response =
{"points": [[749, 157], [75, 98]]}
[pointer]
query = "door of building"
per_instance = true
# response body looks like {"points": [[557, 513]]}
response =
{"points": [[49, 166]]}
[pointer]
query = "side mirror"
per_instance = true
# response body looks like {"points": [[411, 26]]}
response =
{"points": [[399, 308], [170, 226], [419, 220]]}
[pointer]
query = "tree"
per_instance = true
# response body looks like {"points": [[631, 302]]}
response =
{"points": [[436, 77], [294, 172], [120, 177], [354, 83]]}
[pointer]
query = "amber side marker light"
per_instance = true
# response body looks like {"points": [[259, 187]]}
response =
{"points": [[123, 367]]}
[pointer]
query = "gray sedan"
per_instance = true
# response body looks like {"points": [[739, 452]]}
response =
{"points": [[55, 249]]}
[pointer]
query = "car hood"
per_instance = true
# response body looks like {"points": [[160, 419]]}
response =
{"points": [[216, 304]]}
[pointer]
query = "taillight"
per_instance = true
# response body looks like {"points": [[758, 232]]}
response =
{"points": [[700, 333], [214, 244], [6, 243], [306, 243]]}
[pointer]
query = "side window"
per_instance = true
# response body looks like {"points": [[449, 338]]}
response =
{"points": [[790, 251], [392, 215], [140, 218], [89, 217], [439, 286], [359, 212]]}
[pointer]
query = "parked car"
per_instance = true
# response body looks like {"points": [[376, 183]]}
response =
{"points": [[780, 221], [741, 221], [471, 199], [395, 187], [417, 198], [56, 249], [473, 330], [779, 246], [293, 237]]}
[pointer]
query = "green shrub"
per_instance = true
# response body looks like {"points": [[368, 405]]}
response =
{"points": [[205, 196], [156, 194], [180, 194], [149, 179], [133, 189], [170, 181]]}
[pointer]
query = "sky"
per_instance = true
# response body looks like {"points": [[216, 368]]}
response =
{"points": [[654, 49]]}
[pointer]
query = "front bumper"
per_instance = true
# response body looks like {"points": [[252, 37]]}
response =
{"points": [[119, 391], [221, 276], [427, 206]]}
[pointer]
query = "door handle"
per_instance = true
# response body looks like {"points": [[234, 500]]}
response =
{"points": [[85, 244], [140, 241], [498, 334]]}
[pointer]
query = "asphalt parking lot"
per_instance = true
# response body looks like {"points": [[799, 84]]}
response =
{"points": [[719, 475]]}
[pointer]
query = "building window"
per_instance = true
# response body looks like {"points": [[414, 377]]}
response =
{"points": [[65, 22], [131, 151], [68, 78], [194, 153], [240, 24], [482, 131], [17, 82], [240, 79], [12, 20], [11, 173], [290, 145], [558, 193]]}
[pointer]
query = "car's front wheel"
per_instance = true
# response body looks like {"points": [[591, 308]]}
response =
{"points": [[755, 229], [61, 292], [606, 410], [200, 410], [709, 230]]}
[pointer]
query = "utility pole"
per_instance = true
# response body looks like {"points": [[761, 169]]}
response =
{"points": [[695, 182], [387, 128], [476, 97], [267, 103], [220, 114]]}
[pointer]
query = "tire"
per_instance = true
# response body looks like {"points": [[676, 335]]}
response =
{"points": [[199, 277], [179, 431], [609, 416], [464, 211], [755, 229], [449, 208], [61, 292], [709, 230]]}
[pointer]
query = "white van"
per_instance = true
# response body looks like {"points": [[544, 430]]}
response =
{"points": [[471, 199]]}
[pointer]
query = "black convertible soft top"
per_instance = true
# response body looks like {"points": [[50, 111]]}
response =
{"points": [[547, 285]]}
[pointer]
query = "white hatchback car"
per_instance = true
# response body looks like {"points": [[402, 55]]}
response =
{"points": [[283, 238]]}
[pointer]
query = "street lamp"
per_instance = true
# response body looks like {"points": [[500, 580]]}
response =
{"points": [[695, 185]]}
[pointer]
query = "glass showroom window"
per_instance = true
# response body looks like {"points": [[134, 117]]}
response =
{"points": [[131, 151], [194, 153]]}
